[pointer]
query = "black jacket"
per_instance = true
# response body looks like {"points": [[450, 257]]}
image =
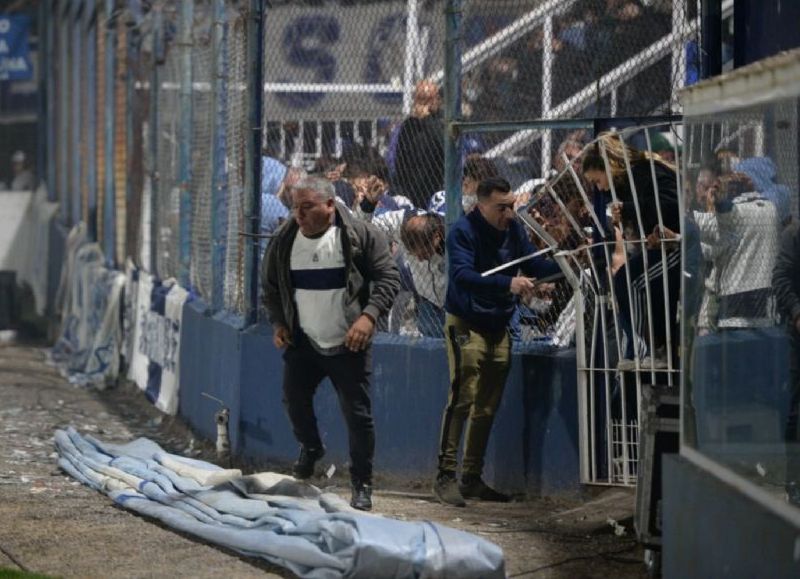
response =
{"points": [[646, 195], [372, 276], [419, 163], [786, 275]]}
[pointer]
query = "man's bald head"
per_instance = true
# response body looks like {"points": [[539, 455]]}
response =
{"points": [[426, 98], [423, 235]]}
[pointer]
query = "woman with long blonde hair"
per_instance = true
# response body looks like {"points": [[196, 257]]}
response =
{"points": [[645, 179]]}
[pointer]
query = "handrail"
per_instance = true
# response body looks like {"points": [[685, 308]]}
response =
{"points": [[625, 71], [508, 35]]}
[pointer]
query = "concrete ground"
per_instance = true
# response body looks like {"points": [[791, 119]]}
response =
{"points": [[55, 526]]}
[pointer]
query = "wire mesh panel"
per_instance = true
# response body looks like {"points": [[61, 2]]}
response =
{"points": [[558, 59], [201, 148], [167, 206], [741, 167], [140, 160], [236, 124], [352, 92]]}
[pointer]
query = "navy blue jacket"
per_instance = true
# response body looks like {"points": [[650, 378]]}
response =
{"points": [[474, 246]]}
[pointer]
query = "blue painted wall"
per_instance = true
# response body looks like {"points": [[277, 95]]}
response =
{"points": [[210, 362], [534, 445]]}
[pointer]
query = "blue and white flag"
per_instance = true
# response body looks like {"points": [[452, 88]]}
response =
{"points": [[156, 331], [15, 60]]}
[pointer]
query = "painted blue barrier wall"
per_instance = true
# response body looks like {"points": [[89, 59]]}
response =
{"points": [[210, 362], [534, 445]]}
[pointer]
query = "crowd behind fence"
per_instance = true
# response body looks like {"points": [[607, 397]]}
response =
{"points": [[155, 106]]}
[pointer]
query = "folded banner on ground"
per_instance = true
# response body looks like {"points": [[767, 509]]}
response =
{"points": [[287, 522]]}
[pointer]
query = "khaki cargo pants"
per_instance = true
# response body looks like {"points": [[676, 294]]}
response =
{"points": [[479, 364]]}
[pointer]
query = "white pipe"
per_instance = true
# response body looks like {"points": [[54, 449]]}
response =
{"points": [[547, 91], [587, 94], [412, 39], [508, 35]]}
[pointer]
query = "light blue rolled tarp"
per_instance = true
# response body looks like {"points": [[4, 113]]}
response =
{"points": [[289, 523]]}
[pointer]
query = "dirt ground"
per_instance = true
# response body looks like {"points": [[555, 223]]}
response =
{"points": [[54, 525]]}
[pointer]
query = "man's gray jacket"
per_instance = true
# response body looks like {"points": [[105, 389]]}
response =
{"points": [[372, 276]]}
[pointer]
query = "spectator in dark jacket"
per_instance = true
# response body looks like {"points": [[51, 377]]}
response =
{"points": [[649, 213], [786, 285], [327, 278], [476, 333], [419, 158]]}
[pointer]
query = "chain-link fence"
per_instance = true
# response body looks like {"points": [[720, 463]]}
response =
{"points": [[166, 211], [742, 179], [561, 59], [372, 121], [237, 132], [354, 92]]}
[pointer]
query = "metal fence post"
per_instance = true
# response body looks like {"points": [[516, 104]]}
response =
{"points": [[155, 177], [43, 93], [63, 103], [133, 53], [218, 142], [109, 204], [452, 110], [90, 23], [75, 113], [185, 140], [252, 198]]}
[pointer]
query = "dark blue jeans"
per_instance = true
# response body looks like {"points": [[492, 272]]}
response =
{"points": [[304, 368], [633, 311]]}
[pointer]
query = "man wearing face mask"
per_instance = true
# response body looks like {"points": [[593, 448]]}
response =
{"points": [[476, 333], [476, 169]]}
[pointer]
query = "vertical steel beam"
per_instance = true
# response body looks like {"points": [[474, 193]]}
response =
{"points": [[185, 140], [109, 204], [76, 45], [711, 38], [63, 112], [43, 94], [452, 110], [252, 209], [90, 29], [218, 141], [155, 177]]}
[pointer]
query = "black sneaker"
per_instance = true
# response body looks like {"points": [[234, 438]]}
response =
{"points": [[445, 488], [475, 488], [304, 467], [361, 498]]}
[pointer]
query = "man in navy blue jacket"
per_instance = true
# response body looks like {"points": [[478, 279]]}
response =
{"points": [[476, 333]]}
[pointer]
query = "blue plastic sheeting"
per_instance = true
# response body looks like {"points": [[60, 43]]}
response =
{"points": [[289, 523]]}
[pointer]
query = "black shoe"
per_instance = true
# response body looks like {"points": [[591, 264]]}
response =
{"points": [[304, 467], [361, 498], [473, 487], [445, 488]]}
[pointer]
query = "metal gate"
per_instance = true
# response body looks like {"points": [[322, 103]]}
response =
{"points": [[625, 275]]}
